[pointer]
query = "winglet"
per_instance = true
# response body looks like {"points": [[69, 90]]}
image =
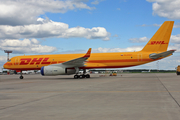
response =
{"points": [[88, 53]]}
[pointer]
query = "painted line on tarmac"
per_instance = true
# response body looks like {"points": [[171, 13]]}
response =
{"points": [[85, 91]]}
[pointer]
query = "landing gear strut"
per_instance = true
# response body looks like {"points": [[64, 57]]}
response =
{"points": [[21, 77]]}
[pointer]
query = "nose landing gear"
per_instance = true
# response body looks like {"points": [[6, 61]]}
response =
{"points": [[21, 77]]}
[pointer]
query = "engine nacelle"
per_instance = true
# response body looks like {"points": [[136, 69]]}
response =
{"points": [[55, 70]]}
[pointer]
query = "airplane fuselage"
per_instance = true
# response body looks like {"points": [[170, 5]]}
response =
{"points": [[97, 60]]}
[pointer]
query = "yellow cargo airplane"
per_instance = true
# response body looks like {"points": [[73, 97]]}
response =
{"points": [[66, 64]]}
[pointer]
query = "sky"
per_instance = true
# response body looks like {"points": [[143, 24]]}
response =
{"points": [[33, 27]]}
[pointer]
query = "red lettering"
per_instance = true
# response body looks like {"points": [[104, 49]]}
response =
{"points": [[36, 60], [45, 61], [153, 42], [163, 42], [25, 61], [158, 42]]}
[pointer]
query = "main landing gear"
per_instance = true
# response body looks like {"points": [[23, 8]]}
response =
{"points": [[84, 75], [21, 77], [81, 76]]}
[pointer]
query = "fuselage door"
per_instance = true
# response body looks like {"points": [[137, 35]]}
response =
{"points": [[139, 57], [16, 61]]}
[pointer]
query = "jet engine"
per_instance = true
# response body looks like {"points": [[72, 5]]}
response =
{"points": [[56, 70]]}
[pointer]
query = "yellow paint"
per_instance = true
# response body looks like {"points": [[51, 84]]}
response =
{"points": [[178, 70]]}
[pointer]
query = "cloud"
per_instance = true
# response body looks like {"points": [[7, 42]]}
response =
{"points": [[157, 25], [73, 51], [166, 8], [25, 46], [96, 2], [115, 35], [24, 12], [139, 40], [144, 25], [3, 59], [177, 25], [118, 8], [174, 47], [128, 49], [49, 28], [175, 39], [169, 63], [94, 33]]}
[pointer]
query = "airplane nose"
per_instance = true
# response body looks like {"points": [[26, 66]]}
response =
{"points": [[7, 65], [4, 66]]}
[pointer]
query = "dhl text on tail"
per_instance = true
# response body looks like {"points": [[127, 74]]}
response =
{"points": [[65, 64]]}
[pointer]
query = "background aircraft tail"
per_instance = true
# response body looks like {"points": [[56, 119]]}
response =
{"points": [[160, 41]]}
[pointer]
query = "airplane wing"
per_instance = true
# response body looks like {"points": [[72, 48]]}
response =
{"points": [[78, 62], [159, 55]]}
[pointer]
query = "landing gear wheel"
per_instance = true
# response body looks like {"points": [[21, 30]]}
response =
{"points": [[76, 76], [21, 77], [82, 76], [87, 76]]}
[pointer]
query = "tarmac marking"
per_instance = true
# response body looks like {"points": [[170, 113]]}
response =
{"points": [[86, 91], [17, 83], [168, 91], [25, 82]]}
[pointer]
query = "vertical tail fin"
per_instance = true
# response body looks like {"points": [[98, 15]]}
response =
{"points": [[160, 41]]}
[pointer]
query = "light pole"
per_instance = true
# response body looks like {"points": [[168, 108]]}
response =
{"points": [[8, 51]]}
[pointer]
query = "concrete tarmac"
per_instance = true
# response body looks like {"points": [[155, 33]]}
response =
{"points": [[142, 96]]}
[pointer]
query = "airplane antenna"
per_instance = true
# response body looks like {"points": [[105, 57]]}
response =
{"points": [[8, 51]]}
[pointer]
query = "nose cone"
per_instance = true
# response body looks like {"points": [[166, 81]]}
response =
{"points": [[4, 66], [7, 65]]}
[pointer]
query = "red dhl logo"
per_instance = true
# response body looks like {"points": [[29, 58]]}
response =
{"points": [[156, 43], [36, 61]]}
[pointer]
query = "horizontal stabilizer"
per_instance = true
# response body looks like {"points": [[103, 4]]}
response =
{"points": [[159, 55]]}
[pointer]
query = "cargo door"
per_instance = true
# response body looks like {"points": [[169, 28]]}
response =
{"points": [[139, 57]]}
